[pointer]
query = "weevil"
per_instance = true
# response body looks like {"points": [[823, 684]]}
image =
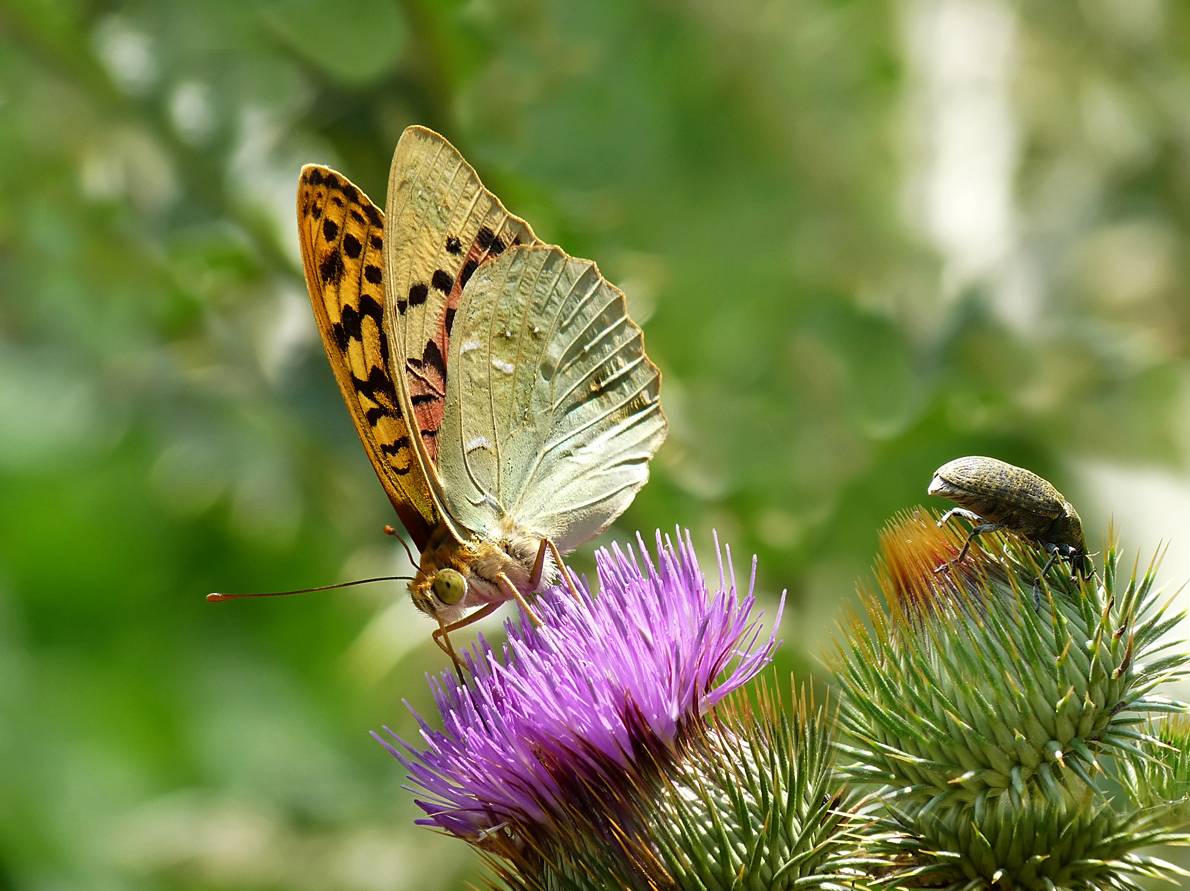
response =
{"points": [[996, 495]]}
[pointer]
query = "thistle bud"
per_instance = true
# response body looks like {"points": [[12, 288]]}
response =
{"points": [[989, 724]]}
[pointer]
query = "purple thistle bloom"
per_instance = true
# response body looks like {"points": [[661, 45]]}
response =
{"points": [[585, 703]]}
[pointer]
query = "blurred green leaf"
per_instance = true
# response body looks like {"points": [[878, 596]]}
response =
{"points": [[863, 239]]}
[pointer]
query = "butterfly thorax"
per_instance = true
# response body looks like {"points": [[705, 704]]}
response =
{"points": [[479, 561]]}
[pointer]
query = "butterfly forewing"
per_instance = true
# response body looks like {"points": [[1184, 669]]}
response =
{"points": [[552, 410], [498, 385], [342, 240], [443, 226]]}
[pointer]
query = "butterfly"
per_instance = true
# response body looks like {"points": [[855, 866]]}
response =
{"points": [[500, 390]]}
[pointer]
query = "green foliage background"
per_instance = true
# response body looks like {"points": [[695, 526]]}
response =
{"points": [[752, 172]]}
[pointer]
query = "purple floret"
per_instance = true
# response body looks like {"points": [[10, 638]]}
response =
{"points": [[574, 703]]}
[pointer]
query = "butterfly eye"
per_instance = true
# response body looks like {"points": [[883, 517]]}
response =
{"points": [[449, 586]]}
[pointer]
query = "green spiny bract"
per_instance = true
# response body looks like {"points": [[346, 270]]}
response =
{"points": [[1159, 778], [984, 721], [749, 801], [1036, 843]]}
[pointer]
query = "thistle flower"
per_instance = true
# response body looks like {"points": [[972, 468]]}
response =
{"points": [[577, 700], [990, 725], [588, 753]]}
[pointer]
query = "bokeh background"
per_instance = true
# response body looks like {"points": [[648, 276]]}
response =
{"points": [[863, 238]]}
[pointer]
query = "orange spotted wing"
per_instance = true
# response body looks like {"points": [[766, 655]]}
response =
{"points": [[342, 239]]}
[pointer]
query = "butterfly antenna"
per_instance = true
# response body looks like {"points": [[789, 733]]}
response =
{"points": [[389, 530], [217, 597]]}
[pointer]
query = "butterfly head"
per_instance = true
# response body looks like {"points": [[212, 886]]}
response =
{"points": [[440, 594], [454, 578], [448, 586]]}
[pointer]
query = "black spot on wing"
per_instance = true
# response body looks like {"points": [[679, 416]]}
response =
{"points": [[423, 398], [352, 317], [374, 415], [358, 217], [450, 320], [402, 305], [453, 245], [377, 243], [432, 357], [484, 237], [373, 274], [375, 217], [497, 247], [468, 270], [442, 281], [330, 230], [377, 385], [314, 176], [351, 324], [418, 294], [370, 306], [341, 337], [351, 246], [392, 449], [331, 268]]}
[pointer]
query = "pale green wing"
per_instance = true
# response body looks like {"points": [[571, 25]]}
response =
{"points": [[552, 409], [442, 225]]}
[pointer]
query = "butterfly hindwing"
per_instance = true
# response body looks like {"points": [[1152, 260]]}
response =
{"points": [[342, 238], [552, 409], [443, 226], [498, 385]]}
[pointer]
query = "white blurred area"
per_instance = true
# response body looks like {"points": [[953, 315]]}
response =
{"points": [[966, 94], [963, 146], [1149, 510]]}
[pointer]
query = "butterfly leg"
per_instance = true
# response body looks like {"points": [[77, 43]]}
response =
{"points": [[442, 639], [511, 592], [539, 567]]}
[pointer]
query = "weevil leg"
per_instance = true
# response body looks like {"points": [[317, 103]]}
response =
{"points": [[978, 530], [511, 592], [960, 512], [1037, 581], [1078, 567]]}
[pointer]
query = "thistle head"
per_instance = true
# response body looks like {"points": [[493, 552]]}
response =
{"points": [[988, 720]]}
